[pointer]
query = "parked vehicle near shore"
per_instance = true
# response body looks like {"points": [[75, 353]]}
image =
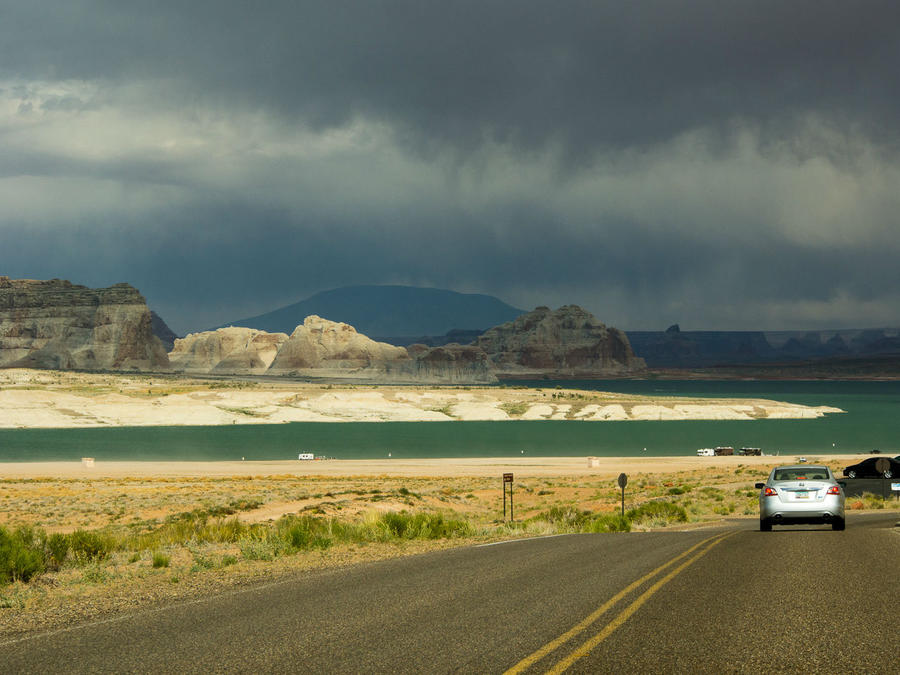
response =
{"points": [[868, 468]]}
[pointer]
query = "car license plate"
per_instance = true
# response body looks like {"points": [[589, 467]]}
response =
{"points": [[801, 495]]}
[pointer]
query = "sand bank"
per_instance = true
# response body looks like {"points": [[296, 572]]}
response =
{"points": [[452, 468], [48, 399]]}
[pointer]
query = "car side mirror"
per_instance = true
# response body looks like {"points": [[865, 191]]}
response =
{"points": [[760, 486]]}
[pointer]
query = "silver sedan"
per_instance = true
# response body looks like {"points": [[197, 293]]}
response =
{"points": [[800, 494]]}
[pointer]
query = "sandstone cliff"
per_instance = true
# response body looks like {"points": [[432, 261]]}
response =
{"points": [[60, 325], [227, 351], [565, 342], [447, 364], [322, 345]]}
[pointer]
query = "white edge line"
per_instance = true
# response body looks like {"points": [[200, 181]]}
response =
{"points": [[512, 541]]}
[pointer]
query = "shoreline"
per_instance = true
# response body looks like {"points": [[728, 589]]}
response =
{"points": [[480, 467]]}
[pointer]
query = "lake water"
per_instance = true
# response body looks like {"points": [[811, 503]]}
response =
{"points": [[872, 421]]}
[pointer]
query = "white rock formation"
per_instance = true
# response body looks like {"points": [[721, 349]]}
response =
{"points": [[226, 351], [322, 345]]}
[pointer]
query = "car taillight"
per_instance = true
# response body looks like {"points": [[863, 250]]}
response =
{"points": [[770, 492], [834, 490]]}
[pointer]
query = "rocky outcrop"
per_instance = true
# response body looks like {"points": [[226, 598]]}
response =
{"points": [[227, 351], [565, 342], [447, 364], [322, 345], [60, 325]]}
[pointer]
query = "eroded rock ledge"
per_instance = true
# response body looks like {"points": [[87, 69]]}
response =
{"points": [[58, 324]]}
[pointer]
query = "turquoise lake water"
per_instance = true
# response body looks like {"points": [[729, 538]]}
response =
{"points": [[872, 421]]}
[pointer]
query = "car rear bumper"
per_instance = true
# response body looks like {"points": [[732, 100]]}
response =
{"points": [[823, 511]]}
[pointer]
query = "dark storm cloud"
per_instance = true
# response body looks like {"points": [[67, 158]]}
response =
{"points": [[594, 75], [717, 164]]}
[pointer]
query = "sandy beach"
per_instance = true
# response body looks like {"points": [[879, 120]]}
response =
{"points": [[531, 467]]}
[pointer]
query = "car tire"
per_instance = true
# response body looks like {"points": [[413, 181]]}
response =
{"points": [[765, 525], [888, 474], [838, 524], [851, 474]]}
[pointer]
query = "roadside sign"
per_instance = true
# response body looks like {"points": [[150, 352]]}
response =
{"points": [[508, 480], [623, 481], [895, 487]]}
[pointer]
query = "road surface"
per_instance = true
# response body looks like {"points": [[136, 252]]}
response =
{"points": [[727, 599]]}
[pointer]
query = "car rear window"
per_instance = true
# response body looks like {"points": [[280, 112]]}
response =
{"points": [[810, 473]]}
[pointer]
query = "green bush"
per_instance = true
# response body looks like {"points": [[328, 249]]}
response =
{"points": [[609, 522], [57, 549], [658, 512], [405, 525], [160, 560], [568, 517], [304, 532], [258, 549], [21, 557], [89, 546]]}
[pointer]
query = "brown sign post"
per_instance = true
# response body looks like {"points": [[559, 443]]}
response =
{"points": [[623, 481], [508, 479]]}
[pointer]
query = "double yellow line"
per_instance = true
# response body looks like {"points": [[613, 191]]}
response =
{"points": [[705, 546]]}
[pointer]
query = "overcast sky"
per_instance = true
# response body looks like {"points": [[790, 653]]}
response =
{"points": [[722, 165]]}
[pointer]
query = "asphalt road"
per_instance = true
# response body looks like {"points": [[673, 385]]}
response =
{"points": [[729, 599]]}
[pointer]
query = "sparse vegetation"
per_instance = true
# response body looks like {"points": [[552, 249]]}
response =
{"points": [[84, 537], [514, 408]]}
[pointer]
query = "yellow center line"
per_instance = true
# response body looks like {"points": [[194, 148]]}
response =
{"points": [[584, 624], [626, 613]]}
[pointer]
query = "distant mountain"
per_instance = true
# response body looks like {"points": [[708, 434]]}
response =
{"points": [[391, 310], [675, 348]]}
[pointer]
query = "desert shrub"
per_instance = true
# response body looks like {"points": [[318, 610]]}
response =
{"points": [[298, 533], [21, 556], [193, 527], [568, 517], [231, 508], [57, 549], [258, 549], [403, 525], [609, 522], [872, 501], [160, 560], [94, 573], [657, 512], [89, 546]]}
